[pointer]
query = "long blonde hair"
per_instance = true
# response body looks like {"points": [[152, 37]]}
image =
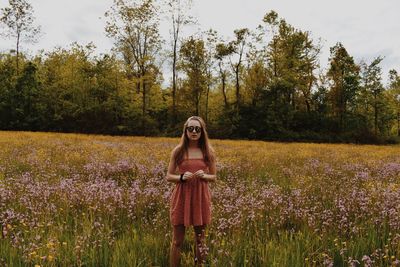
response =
{"points": [[204, 144]]}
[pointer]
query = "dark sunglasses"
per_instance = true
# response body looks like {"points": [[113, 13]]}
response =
{"points": [[194, 128]]}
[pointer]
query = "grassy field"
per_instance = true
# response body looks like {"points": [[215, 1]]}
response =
{"points": [[85, 200]]}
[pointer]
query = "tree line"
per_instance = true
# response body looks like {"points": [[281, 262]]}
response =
{"points": [[264, 83]]}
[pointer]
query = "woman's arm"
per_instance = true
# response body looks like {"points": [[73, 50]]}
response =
{"points": [[209, 177], [171, 176], [212, 175]]}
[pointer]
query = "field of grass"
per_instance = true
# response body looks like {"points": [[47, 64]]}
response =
{"points": [[86, 200]]}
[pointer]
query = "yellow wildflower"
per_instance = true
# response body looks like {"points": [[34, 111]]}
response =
{"points": [[50, 244]]}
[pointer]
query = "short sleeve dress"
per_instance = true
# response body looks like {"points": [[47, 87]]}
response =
{"points": [[190, 202]]}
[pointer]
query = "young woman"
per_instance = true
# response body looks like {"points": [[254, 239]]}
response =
{"points": [[191, 168]]}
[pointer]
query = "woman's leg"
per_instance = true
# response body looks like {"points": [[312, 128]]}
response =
{"points": [[201, 249], [176, 244]]}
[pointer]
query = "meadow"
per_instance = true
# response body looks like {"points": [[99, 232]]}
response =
{"points": [[92, 200]]}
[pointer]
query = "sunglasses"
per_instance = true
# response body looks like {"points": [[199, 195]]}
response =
{"points": [[194, 128]]}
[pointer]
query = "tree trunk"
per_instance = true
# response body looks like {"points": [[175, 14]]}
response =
{"points": [[308, 106], [375, 115], [237, 89], [18, 37], [144, 107], [342, 102], [174, 83], [197, 105], [223, 78], [307, 95], [208, 90], [398, 123], [223, 91], [293, 94], [275, 61]]}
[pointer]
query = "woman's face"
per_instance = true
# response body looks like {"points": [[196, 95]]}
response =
{"points": [[193, 130]]}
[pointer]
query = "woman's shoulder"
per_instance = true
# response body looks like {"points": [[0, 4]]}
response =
{"points": [[175, 149], [212, 152], [211, 149]]}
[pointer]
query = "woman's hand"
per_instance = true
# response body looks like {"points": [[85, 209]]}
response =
{"points": [[208, 177], [199, 174], [188, 176]]}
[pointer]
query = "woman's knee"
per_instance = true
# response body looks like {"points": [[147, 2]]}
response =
{"points": [[179, 236], [199, 233], [177, 242], [199, 229]]}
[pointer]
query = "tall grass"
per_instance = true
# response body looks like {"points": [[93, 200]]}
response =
{"points": [[86, 200]]}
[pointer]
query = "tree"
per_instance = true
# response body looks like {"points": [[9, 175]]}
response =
{"points": [[18, 19], [193, 63], [307, 63], [372, 90], [221, 53], [394, 96], [28, 105], [210, 44], [134, 26], [7, 88], [66, 80], [237, 46], [256, 81], [178, 11], [291, 60], [344, 75]]}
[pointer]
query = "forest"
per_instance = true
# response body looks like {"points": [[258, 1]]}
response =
{"points": [[265, 83]]}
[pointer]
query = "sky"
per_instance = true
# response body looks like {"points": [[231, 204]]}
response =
{"points": [[366, 28]]}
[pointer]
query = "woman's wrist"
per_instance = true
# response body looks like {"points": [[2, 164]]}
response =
{"points": [[175, 178], [209, 177]]}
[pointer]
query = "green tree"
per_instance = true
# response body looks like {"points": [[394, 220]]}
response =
{"points": [[210, 48], [19, 22], [193, 63], [65, 84], [134, 27], [237, 47], [87, 94], [371, 94], [222, 51], [393, 94], [291, 61], [344, 75], [7, 87], [178, 12], [27, 108]]}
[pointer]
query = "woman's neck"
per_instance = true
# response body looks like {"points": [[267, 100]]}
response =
{"points": [[194, 144]]}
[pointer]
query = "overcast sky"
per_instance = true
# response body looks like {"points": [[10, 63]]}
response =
{"points": [[367, 28]]}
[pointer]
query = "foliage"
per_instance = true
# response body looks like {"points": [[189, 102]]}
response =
{"points": [[261, 84]]}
